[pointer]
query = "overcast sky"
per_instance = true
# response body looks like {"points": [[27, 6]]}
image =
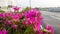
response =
{"points": [[35, 3], [43, 3]]}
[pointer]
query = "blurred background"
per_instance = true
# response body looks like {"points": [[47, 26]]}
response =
{"points": [[50, 9]]}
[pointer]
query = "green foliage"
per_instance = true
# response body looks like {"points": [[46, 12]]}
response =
{"points": [[29, 30], [28, 8], [2, 11]]}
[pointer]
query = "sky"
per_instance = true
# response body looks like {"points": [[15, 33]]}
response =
{"points": [[34, 3]]}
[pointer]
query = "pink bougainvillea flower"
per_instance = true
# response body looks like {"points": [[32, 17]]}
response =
{"points": [[16, 17], [1, 14], [37, 27], [38, 13], [30, 13], [0, 32], [3, 31], [9, 22], [50, 28], [16, 8], [14, 26], [26, 15], [19, 15], [4, 15], [10, 14], [32, 18], [40, 18]]}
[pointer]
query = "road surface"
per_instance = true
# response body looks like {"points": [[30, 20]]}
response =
{"points": [[52, 21]]}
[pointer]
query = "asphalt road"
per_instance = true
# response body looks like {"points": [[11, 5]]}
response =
{"points": [[52, 21]]}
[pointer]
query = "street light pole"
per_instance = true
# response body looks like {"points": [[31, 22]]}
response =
{"points": [[30, 2]]}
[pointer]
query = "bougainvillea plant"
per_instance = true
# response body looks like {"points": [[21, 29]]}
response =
{"points": [[27, 22]]}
